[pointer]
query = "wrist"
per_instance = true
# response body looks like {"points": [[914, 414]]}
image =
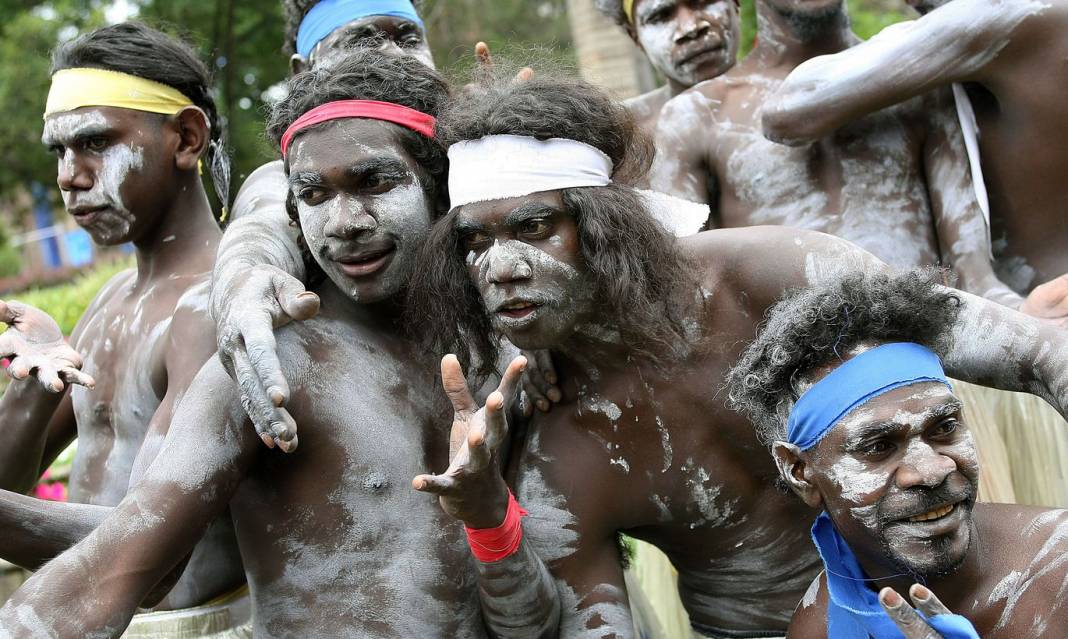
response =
{"points": [[489, 545]]}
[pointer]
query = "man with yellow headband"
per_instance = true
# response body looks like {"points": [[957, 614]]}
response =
{"points": [[688, 41], [129, 117]]}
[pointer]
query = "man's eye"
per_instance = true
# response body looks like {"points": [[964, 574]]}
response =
{"points": [[411, 41], [535, 228], [475, 241], [58, 150], [945, 428], [878, 448], [380, 182], [312, 196], [96, 143]]}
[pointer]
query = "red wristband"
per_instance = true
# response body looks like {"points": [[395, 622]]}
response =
{"points": [[494, 544]]}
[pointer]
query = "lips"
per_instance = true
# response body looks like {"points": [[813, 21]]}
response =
{"points": [[366, 262], [517, 309], [697, 54], [86, 215]]}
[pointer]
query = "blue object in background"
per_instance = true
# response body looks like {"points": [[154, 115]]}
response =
{"points": [[79, 248], [42, 219]]}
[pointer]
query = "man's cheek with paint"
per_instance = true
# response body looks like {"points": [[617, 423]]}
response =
{"points": [[689, 60], [105, 211]]}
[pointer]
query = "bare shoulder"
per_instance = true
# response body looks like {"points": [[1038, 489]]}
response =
{"points": [[265, 184], [118, 283], [809, 620], [647, 106], [192, 325]]}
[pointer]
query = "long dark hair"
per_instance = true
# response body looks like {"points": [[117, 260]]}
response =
{"points": [[637, 267]]}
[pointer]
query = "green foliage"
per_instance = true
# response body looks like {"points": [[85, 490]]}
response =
{"points": [[868, 17], [66, 303]]}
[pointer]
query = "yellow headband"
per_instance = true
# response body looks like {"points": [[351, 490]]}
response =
{"points": [[77, 88], [628, 8]]}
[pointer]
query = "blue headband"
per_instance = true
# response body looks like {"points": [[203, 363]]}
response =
{"points": [[861, 379], [853, 610], [325, 18]]}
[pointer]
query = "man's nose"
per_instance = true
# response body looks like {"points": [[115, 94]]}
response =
{"points": [[389, 46], [924, 466], [72, 175], [693, 25], [349, 219], [506, 265]]}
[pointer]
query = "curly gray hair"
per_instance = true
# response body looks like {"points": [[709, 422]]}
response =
{"points": [[809, 327]]}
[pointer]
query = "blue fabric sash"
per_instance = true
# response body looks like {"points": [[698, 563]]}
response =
{"points": [[853, 609], [857, 381], [325, 17]]}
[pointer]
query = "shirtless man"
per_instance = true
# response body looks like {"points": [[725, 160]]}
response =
{"points": [[258, 282], [896, 183], [1011, 55], [875, 438], [334, 541], [129, 117], [688, 41], [642, 329]]}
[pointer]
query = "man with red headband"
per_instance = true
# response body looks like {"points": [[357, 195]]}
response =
{"points": [[688, 41], [333, 541]]}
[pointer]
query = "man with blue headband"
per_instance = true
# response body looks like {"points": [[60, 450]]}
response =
{"points": [[846, 385]]}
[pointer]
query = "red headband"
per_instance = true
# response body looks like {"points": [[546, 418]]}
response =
{"points": [[386, 111]]}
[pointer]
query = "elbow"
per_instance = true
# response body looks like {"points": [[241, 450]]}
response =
{"points": [[789, 126]]}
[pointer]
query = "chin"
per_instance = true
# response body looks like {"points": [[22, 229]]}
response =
{"points": [[933, 557]]}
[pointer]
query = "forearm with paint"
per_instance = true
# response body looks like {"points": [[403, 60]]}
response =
{"points": [[36, 530], [519, 596], [999, 347], [25, 412]]}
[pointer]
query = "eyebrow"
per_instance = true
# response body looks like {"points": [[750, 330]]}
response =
{"points": [[648, 9], [527, 211], [882, 428], [377, 165], [303, 178], [88, 130]]}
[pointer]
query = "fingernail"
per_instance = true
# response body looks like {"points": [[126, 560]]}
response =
{"points": [[550, 377], [543, 405], [890, 597], [277, 398], [267, 439], [306, 296], [555, 395], [919, 593]]}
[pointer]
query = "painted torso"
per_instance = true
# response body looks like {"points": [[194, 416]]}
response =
{"points": [[865, 184], [660, 457], [1020, 590], [336, 543], [646, 107]]}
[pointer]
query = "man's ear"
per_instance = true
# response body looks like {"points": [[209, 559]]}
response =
{"points": [[795, 471], [298, 64], [194, 135]]}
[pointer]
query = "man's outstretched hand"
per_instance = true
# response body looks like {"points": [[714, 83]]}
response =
{"points": [[1049, 301], [35, 345], [246, 312], [473, 489]]}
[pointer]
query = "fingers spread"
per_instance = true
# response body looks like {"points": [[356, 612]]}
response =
{"points": [[47, 375], [75, 376], [926, 601], [510, 380], [455, 385], [267, 418], [19, 368], [7, 316], [904, 617]]}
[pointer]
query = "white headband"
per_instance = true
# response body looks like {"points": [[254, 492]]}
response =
{"points": [[498, 167]]}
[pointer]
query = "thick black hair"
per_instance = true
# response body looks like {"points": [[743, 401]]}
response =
{"points": [[636, 265], [813, 327], [295, 11], [137, 49], [367, 74]]}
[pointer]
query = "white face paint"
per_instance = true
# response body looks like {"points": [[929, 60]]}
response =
{"points": [[100, 210], [689, 45]]}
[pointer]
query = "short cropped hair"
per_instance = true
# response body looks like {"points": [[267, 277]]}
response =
{"points": [[810, 327], [136, 49]]}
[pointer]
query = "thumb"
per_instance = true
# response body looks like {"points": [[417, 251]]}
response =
{"points": [[298, 303], [7, 314]]}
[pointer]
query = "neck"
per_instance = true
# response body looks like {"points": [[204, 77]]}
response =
{"points": [[952, 589], [592, 352], [675, 87], [185, 238], [385, 315], [783, 42]]}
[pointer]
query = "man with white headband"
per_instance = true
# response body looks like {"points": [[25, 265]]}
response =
{"points": [[643, 329], [258, 281], [845, 384], [688, 41], [334, 540], [130, 118]]}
